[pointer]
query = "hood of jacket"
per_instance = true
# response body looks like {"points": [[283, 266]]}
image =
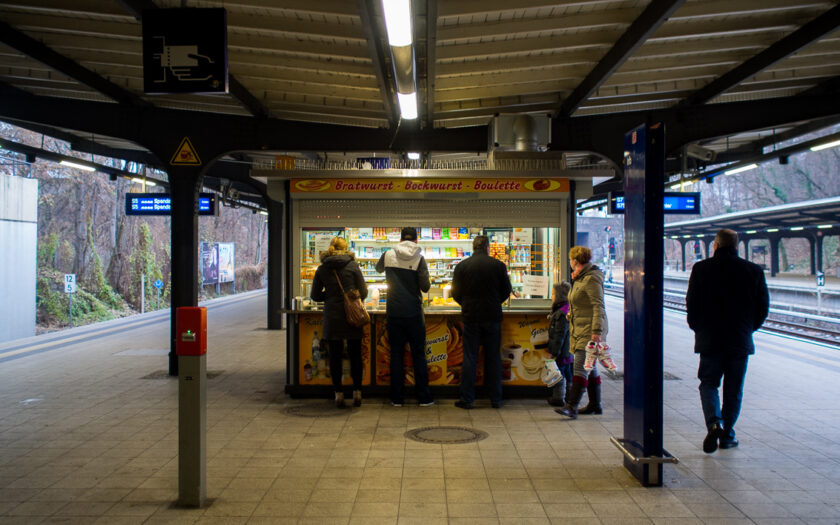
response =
{"points": [[337, 262], [404, 255]]}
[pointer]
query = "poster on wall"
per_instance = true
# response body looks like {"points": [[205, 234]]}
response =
{"points": [[227, 259], [524, 349], [444, 353], [314, 354], [209, 261]]}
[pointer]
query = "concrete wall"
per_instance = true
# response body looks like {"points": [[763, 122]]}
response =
{"points": [[18, 256]]}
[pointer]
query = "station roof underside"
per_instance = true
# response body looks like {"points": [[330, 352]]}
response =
{"points": [[587, 63], [801, 215]]}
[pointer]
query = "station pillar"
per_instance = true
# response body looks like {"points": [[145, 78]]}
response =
{"points": [[644, 195], [819, 252], [682, 253], [275, 264], [191, 325], [774, 254], [184, 187]]}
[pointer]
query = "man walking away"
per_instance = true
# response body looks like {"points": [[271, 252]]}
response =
{"points": [[407, 275], [727, 301], [480, 285]]}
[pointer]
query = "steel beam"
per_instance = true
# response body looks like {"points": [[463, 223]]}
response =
{"points": [[805, 35], [43, 54], [654, 15], [431, 59], [598, 133], [145, 127], [377, 57]]}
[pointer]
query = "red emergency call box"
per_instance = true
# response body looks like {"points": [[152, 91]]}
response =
{"points": [[191, 330]]}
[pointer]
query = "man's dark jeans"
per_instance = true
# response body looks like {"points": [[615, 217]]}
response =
{"points": [[411, 330], [733, 371], [489, 336]]}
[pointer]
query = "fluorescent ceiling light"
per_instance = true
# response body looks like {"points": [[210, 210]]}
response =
{"points": [[408, 105], [823, 226], [772, 230], [686, 236], [826, 146], [674, 186], [797, 228], [413, 155], [262, 212], [741, 169], [751, 231], [143, 181], [398, 21], [82, 167]]}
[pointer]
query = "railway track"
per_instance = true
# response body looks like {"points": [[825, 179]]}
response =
{"points": [[781, 322]]}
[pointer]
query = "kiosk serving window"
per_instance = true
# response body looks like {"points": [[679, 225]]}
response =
{"points": [[531, 255]]}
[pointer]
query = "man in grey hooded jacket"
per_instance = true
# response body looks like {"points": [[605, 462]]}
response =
{"points": [[407, 275]]}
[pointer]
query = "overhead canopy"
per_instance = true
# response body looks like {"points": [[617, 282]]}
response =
{"points": [[329, 62], [807, 214]]}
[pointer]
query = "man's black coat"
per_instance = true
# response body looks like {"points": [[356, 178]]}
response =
{"points": [[727, 301]]}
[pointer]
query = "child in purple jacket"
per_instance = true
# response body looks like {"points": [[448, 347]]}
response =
{"points": [[558, 341]]}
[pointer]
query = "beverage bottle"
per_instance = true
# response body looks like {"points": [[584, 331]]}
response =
{"points": [[307, 371], [316, 351]]}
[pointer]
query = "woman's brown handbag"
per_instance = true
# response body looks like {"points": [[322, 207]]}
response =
{"points": [[354, 310]]}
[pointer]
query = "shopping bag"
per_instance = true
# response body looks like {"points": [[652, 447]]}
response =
{"points": [[354, 309], [550, 373]]}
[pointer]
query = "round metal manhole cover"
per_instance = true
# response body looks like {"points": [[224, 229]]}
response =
{"points": [[446, 435], [320, 410]]}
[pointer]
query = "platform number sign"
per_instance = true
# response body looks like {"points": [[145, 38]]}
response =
{"points": [[69, 283], [70, 289], [820, 279]]}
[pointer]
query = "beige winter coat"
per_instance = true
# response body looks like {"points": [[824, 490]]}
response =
{"points": [[587, 314]]}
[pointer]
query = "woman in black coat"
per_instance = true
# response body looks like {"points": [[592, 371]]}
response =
{"points": [[337, 261]]}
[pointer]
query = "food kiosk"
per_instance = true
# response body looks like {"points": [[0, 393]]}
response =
{"points": [[526, 214]]}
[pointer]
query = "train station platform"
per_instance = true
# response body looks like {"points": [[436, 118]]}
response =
{"points": [[88, 434]]}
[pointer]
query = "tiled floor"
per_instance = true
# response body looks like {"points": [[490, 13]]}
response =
{"points": [[85, 439]]}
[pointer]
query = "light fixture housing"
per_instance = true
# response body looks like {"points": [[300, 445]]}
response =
{"points": [[83, 167], [741, 169], [398, 22], [143, 181], [413, 155], [408, 105], [826, 146]]}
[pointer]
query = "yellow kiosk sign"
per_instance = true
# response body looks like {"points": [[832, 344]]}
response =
{"points": [[430, 185]]}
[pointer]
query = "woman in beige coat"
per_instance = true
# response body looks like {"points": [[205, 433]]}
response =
{"points": [[588, 321]]}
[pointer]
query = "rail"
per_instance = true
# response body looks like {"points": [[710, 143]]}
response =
{"points": [[799, 324]]}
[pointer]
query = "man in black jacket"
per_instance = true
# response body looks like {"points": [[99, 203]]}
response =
{"points": [[727, 301], [407, 275], [480, 285]]}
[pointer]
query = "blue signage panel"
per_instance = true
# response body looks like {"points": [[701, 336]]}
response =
{"points": [[161, 204], [675, 203], [185, 50], [644, 149]]}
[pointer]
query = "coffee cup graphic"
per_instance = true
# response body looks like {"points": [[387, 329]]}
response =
{"points": [[513, 352]]}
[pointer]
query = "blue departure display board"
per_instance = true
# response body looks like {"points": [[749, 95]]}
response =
{"points": [[685, 203], [161, 204]]}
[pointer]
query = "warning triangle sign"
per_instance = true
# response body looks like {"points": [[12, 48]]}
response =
{"points": [[185, 155]]}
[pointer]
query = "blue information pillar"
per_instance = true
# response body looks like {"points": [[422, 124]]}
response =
{"points": [[644, 158]]}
